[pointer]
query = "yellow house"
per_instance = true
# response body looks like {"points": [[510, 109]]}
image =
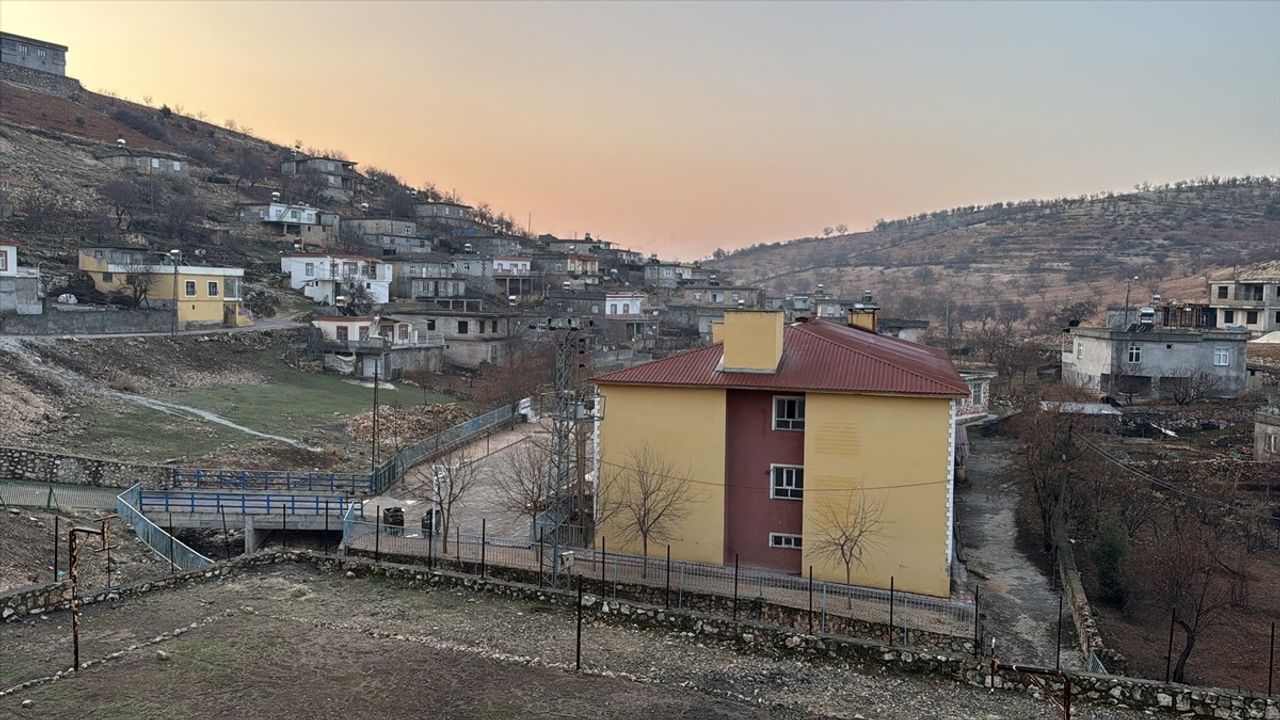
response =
{"points": [[817, 444], [206, 296]]}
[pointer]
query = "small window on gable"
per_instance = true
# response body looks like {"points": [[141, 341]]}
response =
{"points": [[1222, 356]]}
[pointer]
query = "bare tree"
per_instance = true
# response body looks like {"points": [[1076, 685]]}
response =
{"points": [[138, 282], [248, 167], [523, 478], [847, 525], [358, 298], [1191, 384], [125, 197], [647, 497], [455, 475]]}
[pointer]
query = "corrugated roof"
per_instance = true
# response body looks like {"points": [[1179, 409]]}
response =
{"points": [[817, 355]]}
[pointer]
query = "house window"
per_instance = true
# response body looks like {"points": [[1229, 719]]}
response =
{"points": [[22, 49], [783, 540], [1222, 292], [343, 333], [1228, 316], [41, 53], [494, 326], [191, 288], [431, 325], [403, 331], [462, 327], [786, 482], [4, 261], [1221, 356], [309, 269], [364, 333], [213, 288], [1251, 317], [976, 393], [108, 277], [626, 308], [788, 413], [1079, 349], [1135, 353], [1278, 317], [613, 308]]}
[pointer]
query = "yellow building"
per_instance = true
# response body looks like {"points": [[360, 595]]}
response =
{"points": [[206, 296], [817, 444]]}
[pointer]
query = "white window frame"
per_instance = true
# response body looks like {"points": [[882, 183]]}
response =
{"points": [[1134, 354], [189, 288], [789, 485], [213, 288], [786, 541], [1221, 356], [790, 421]]}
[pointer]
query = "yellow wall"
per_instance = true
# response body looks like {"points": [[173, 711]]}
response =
{"points": [[686, 427], [854, 441], [201, 308], [864, 320], [752, 340]]}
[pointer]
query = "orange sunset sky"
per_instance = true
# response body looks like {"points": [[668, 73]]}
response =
{"points": [[682, 127]]}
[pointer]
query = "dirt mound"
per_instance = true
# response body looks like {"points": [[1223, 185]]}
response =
{"points": [[398, 427]]}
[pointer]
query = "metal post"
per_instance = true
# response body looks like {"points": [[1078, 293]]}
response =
{"points": [[171, 565], [226, 540], [284, 525], [326, 526], [977, 633], [666, 592], [55, 548], [457, 544], [75, 611], [578, 656], [810, 599], [373, 451], [735, 586], [1168, 656], [1271, 660], [540, 554], [604, 561], [377, 531], [891, 599], [1057, 655], [483, 542]]}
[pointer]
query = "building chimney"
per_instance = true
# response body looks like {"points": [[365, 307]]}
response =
{"points": [[752, 341], [863, 316]]}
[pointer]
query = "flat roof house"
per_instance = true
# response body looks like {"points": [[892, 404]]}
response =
{"points": [[31, 53], [1146, 361], [206, 296], [144, 161], [782, 433], [339, 176], [1252, 303], [324, 278], [19, 286]]}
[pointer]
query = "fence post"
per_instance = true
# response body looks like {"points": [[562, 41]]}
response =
{"points": [[55, 546], [810, 599], [680, 588], [977, 634], [540, 553], [431, 540], [377, 531], [284, 526], [666, 592], [604, 561], [457, 543], [578, 657], [824, 607], [1057, 653], [326, 526], [226, 539], [891, 598], [483, 543], [171, 566], [735, 586]]}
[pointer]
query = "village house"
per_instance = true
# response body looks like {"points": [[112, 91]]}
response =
{"points": [[586, 246], [714, 294], [661, 274], [19, 286], [443, 210], [782, 435], [1252, 303], [32, 53], [471, 337], [339, 176], [324, 278], [1150, 361], [205, 296], [365, 345], [425, 277], [144, 161], [391, 236], [1266, 435], [294, 222], [513, 276]]}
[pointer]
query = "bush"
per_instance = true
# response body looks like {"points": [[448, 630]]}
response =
{"points": [[142, 123], [1107, 552], [80, 120]]}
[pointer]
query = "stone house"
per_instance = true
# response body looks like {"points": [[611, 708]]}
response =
{"points": [[340, 179], [35, 54]]}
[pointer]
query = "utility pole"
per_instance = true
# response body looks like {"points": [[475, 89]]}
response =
{"points": [[569, 412], [373, 452], [103, 533]]}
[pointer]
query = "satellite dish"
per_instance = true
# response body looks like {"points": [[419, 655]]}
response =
{"points": [[120, 142]]}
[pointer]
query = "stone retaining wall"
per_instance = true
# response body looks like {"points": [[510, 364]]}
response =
{"points": [[742, 636], [48, 82], [96, 321], [1082, 615], [41, 466]]}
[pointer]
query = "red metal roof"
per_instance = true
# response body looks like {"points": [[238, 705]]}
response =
{"points": [[820, 355]]}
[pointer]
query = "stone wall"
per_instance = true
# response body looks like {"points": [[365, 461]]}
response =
{"points": [[40, 466], [98, 321], [1082, 615], [48, 82]]}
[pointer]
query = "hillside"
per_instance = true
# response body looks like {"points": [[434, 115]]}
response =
{"points": [[1041, 252]]}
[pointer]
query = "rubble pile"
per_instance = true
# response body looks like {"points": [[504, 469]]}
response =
{"points": [[398, 426]]}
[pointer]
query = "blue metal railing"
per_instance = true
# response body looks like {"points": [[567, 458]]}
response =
{"points": [[224, 479], [128, 508], [244, 503]]}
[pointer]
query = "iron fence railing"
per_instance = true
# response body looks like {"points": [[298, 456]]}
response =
{"points": [[442, 442], [224, 479], [245, 503], [128, 508], [910, 612]]}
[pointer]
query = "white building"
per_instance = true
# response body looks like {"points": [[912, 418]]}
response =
{"points": [[324, 278], [367, 345], [19, 287], [621, 306]]}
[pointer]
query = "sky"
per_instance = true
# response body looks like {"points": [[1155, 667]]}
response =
{"points": [[680, 127]]}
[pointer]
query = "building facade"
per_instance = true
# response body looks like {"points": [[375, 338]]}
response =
{"points": [[369, 346], [782, 434], [19, 286], [205, 296], [32, 53], [1156, 361], [1251, 303], [144, 161], [325, 278], [339, 176], [1266, 435]]}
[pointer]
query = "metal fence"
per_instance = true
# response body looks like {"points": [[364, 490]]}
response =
{"points": [[128, 505], [245, 503], [444, 441], [909, 612], [223, 479]]}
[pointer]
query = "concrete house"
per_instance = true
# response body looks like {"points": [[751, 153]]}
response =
{"points": [[666, 274], [471, 338], [19, 286], [443, 210], [206, 296], [1253, 303], [1148, 360], [1266, 435], [425, 278], [339, 176], [324, 277], [295, 222], [363, 345], [780, 428], [144, 161], [391, 236], [35, 54], [714, 294]]}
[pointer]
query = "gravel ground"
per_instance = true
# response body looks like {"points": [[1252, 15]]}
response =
{"points": [[299, 605]]}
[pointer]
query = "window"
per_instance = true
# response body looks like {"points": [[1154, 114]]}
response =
{"points": [[107, 277], [788, 413], [975, 394], [431, 325], [4, 261], [1228, 316], [462, 327], [1222, 356], [626, 308], [782, 540], [1222, 292], [403, 331], [494, 326], [309, 269], [786, 482], [364, 333], [613, 308], [191, 288], [41, 53], [22, 49], [1079, 349], [1135, 353], [1251, 317], [343, 333], [213, 288]]}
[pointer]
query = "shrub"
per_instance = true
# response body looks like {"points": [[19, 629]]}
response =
{"points": [[80, 120], [1107, 553], [142, 123]]}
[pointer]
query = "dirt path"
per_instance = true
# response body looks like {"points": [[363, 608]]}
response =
{"points": [[1019, 601]]}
